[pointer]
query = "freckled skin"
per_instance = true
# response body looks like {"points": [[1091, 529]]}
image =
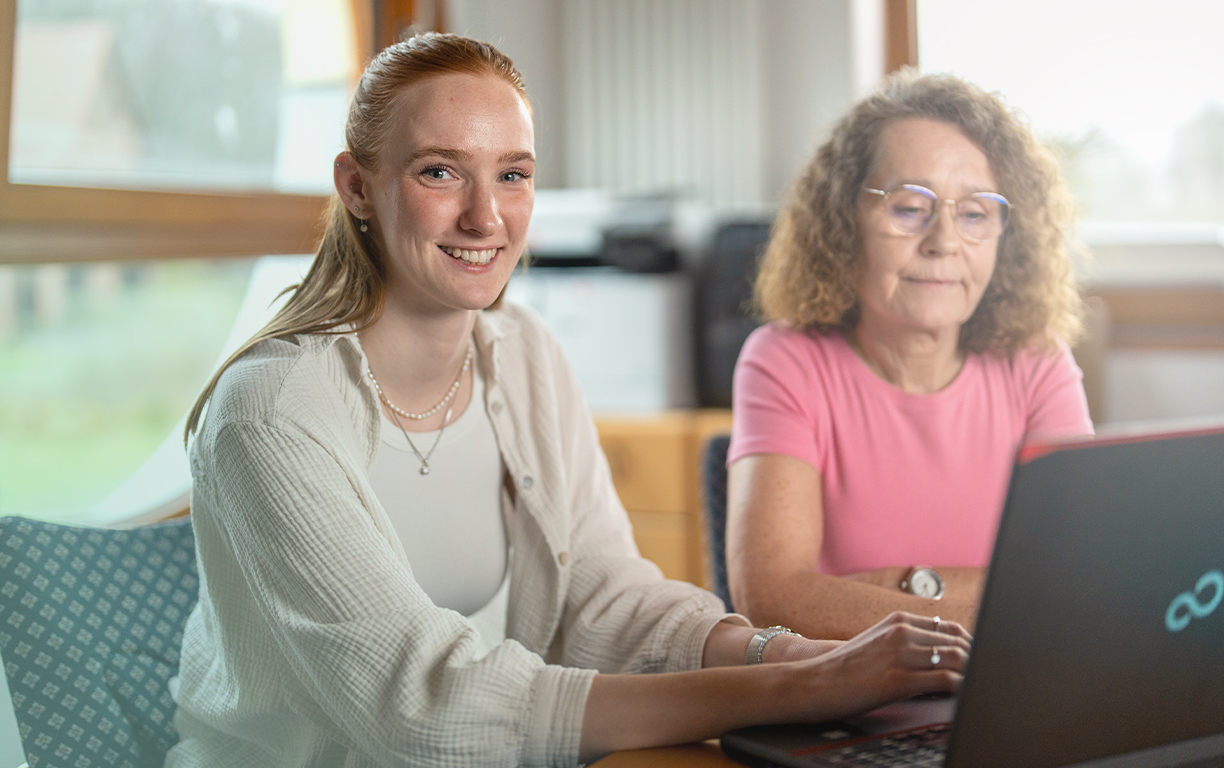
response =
{"points": [[474, 193], [928, 283]]}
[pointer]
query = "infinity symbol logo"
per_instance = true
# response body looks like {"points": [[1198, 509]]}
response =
{"points": [[1190, 605]]}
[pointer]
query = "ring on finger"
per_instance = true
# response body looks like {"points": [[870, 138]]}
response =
{"points": [[935, 657], [936, 620]]}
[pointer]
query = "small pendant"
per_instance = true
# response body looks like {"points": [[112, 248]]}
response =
{"points": [[424, 469]]}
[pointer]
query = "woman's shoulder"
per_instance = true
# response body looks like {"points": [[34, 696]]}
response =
{"points": [[296, 374], [778, 344], [1036, 376], [1036, 359], [802, 367], [1046, 386], [517, 325], [511, 317]]}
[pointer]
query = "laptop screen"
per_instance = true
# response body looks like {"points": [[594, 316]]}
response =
{"points": [[1102, 626]]}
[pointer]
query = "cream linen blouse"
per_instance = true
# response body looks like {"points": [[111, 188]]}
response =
{"points": [[312, 645]]}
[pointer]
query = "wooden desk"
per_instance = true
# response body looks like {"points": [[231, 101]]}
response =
{"points": [[706, 754]]}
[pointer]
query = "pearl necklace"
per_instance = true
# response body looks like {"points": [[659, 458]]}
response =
{"points": [[467, 362]]}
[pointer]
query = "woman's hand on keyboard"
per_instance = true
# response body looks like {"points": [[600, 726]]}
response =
{"points": [[900, 657]]}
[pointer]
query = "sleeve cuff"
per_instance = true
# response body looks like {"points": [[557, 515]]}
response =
{"points": [[689, 644], [554, 730]]}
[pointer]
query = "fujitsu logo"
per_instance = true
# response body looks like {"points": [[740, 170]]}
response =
{"points": [[1197, 603]]}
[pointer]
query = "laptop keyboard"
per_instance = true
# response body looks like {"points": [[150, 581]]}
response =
{"points": [[920, 747]]}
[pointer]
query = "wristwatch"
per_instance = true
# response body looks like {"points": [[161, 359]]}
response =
{"points": [[923, 582]]}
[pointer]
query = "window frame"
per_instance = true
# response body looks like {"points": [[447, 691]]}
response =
{"points": [[900, 34]]}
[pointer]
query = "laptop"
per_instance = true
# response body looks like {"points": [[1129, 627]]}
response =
{"points": [[1100, 640]]}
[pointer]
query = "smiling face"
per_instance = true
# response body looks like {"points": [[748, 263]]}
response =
{"points": [[452, 195], [930, 282]]}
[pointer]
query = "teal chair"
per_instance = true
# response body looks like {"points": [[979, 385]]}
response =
{"points": [[91, 623]]}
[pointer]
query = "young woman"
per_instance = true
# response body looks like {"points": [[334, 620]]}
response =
{"points": [[410, 548]]}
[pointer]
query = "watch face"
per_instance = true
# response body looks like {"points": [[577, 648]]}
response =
{"points": [[925, 583]]}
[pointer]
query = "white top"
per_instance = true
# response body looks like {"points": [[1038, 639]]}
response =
{"points": [[312, 644], [449, 521]]}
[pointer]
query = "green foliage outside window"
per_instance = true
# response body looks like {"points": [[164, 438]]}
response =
{"points": [[98, 363]]}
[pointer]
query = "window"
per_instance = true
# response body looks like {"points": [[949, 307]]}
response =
{"points": [[130, 169], [98, 363], [1128, 97], [1127, 94], [193, 94], [41, 222]]}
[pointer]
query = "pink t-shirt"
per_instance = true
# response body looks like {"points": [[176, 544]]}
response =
{"points": [[906, 478]]}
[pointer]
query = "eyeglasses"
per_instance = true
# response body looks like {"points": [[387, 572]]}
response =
{"points": [[911, 208]]}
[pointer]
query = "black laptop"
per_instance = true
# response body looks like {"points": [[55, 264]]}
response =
{"points": [[1100, 641]]}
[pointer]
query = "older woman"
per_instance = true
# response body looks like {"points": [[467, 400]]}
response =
{"points": [[921, 301], [410, 550]]}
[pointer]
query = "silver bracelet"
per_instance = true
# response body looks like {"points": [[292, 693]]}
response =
{"points": [[756, 646]]}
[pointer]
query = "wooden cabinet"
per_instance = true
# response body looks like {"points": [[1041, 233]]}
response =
{"points": [[656, 466]]}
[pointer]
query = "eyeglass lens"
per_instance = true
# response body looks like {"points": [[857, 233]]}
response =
{"points": [[912, 208]]}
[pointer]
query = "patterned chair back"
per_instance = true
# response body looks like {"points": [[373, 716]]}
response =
{"points": [[91, 623]]}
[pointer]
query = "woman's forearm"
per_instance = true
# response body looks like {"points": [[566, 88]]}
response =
{"points": [[775, 538], [964, 583], [727, 646], [638, 711], [889, 661], [823, 606], [960, 584]]}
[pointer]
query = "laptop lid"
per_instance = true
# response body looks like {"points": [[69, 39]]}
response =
{"points": [[1101, 635], [1101, 631]]}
